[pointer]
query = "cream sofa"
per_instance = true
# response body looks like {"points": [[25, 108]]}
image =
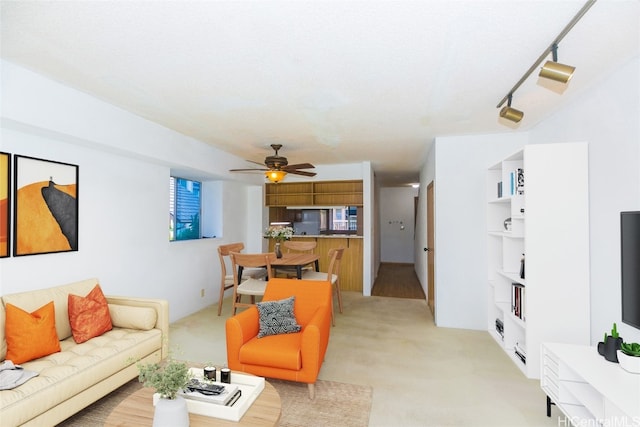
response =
{"points": [[80, 374]]}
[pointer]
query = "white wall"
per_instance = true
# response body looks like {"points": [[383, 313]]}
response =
{"points": [[396, 225], [460, 230], [370, 258], [607, 117], [124, 164]]}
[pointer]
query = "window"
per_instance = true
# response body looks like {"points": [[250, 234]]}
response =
{"points": [[344, 219], [184, 209]]}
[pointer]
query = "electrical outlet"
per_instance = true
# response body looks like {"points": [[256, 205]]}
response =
{"points": [[202, 292]]}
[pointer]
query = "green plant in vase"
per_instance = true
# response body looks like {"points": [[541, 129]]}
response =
{"points": [[629, 357], [630, 349], [167, 379]]}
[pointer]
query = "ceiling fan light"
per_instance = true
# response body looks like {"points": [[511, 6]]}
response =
{"points": [[556, 71], [275, 176], [512, 114]]}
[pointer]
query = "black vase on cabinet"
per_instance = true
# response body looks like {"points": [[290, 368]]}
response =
{"points": [[610, 346]]}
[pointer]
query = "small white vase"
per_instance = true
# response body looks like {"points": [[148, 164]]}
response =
{"points": [[630, 364], [171, 413]]}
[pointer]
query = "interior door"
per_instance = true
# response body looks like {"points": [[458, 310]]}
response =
{"points": [[430, 250]]}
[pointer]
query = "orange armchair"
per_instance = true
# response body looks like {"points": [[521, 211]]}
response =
{"points": [[294, 356]]}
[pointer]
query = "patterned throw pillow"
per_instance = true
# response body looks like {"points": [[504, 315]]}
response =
{"points": [[276, 317]]}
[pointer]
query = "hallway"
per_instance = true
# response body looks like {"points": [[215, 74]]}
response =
{"points": [[397, 280]]}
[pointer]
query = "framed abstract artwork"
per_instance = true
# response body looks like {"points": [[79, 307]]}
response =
{"points": [[5, 203], [45, 207]]}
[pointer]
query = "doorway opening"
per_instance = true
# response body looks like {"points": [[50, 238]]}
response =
{"points": [[397, 280]]}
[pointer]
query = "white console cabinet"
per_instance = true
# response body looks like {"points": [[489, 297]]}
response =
{"points": [[588, 389], [549, 224]]}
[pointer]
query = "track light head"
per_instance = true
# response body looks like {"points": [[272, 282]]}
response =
{"points": [[554, 70], [510, 113]]}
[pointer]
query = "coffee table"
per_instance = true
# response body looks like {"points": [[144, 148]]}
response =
{"points": [[137, 410]]}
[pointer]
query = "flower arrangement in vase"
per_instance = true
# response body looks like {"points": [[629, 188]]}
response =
{"points": [[278, 233]]}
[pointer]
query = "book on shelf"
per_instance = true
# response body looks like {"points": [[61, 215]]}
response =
{"points": [[500, 328], [228, 397], [512, 183], [516, 182], [520, 351], [518, 300], [520, 181]]}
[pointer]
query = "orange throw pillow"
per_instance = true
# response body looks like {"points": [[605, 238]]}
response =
{"points": [[30, 335], [89, 316]]}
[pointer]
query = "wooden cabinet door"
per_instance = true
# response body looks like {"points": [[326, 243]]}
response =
{"points": [[351, 265]]}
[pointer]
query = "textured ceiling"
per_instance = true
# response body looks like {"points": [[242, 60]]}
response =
{"points": [[333, 81]]}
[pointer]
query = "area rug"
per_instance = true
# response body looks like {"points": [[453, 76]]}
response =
{"points": [[335, 404]]}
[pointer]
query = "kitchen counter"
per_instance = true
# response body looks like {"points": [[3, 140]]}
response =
{"points": [[327, 236], [351, 270]]}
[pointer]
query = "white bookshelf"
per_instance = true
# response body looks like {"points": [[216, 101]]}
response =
{"points": [[550, 226]]}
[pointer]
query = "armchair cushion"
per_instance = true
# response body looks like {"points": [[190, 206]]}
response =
{"points": [[275, 351], [276, 317]]}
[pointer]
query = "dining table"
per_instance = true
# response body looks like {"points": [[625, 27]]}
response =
{"points": [[295, 260]]}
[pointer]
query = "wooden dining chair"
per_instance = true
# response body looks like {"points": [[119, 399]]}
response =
{"points": [[300, 246], [332, 275], [251, 287], [297, 246], [226, 279]]}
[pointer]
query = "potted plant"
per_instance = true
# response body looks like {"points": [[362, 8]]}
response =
{"points": [[629, 357], [167, 379], [611, 344]]}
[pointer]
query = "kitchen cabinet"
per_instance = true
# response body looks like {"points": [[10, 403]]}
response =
{"points": [[320, 193]]}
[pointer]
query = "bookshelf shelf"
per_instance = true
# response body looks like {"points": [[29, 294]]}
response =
{"points": [[542, 215]]}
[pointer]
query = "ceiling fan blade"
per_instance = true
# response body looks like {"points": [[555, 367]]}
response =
{"points": [[248, 170], [257, 163], [299, 166], [299, 172]]}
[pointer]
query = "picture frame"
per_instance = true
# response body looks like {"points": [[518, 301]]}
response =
{"points": [[5, 204], [45, 212]]}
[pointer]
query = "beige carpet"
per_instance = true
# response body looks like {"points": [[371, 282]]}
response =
{"points": [[335, 404]]}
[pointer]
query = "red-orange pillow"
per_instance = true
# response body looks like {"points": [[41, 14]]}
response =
{"points": [[30, 335], [89, 316]]}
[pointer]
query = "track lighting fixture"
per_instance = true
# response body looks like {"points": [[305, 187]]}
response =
{"points": [[554, 70], [275, 176], [511, 113], [551, 69]]}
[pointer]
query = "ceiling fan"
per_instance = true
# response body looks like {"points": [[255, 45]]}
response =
{"points": [[278, 167]]}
